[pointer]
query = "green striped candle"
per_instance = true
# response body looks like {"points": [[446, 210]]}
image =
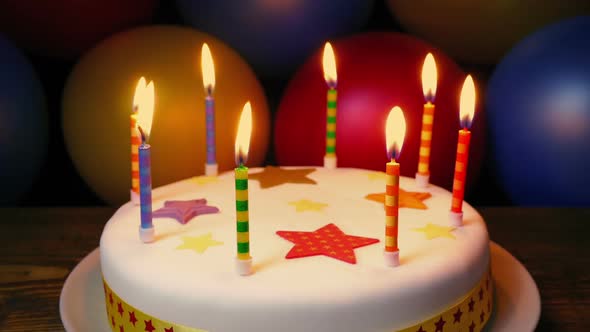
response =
{"points": [[330, 75]]}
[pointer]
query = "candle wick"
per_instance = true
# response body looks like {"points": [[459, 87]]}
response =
{"points": [[135, 109], [209, 90], [142, 134], [331, 84]]}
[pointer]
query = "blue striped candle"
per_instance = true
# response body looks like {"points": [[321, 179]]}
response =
{"points": [[145, 193]]}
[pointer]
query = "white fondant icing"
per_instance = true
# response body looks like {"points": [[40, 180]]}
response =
{"points": [[304, 294]]}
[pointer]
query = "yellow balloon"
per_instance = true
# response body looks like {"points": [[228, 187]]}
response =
{"points": [[98, 98]]}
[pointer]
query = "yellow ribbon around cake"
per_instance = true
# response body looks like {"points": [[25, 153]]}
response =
{"points": [[469, 314]]}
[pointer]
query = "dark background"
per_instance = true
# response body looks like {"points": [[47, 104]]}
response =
{"points": [[59, 184]]}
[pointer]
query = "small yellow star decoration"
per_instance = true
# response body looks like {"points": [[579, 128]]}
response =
{"points": [[307, 205], [198, 243], [205, 179], [433, 231]]}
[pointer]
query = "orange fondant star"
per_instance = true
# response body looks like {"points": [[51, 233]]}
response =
{"points": [[275, 176], [409, 199]]}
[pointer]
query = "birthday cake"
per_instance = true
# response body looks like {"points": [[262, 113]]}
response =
{"points": [[316, 237]]}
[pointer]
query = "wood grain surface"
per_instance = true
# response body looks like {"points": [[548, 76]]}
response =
{"points": [[40, 246]]}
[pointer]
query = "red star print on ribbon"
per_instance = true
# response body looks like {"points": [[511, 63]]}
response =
{"points": [[328, 241]]}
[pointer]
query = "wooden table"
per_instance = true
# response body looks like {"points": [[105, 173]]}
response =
{"points": [[40, 246]]}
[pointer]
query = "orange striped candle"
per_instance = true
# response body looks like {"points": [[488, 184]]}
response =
{"points": [[395, 131], [429, 78], [135, 141], [467, 110]]}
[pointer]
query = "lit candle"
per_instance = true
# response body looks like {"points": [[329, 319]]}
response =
{"points": [[135, 141], [208, 70], [243, 259], [429, 77], [329, 62], [466, 113], [395, 131], [144, 125]]}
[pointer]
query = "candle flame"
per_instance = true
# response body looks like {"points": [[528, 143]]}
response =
{"points": [[138, 89], [395, 131], [144, 97], [243, 137], [467, 103], [329, 62], [429, 78], [208, 69]]}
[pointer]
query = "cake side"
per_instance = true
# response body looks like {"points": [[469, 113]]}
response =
{"points": [[315, 293]]}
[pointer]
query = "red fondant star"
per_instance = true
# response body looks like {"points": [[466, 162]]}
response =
{"points": [[121, 329], [171, 329], [472, 327], [113, 320], [120, 309], [148, 326], [471, 304], [457, 316], [132, 318], [420, 329], [111, 298], [481, 316], [328, 241], [480, 294], [439, 325]]}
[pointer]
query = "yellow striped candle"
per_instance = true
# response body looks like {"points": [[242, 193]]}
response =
{"points": [[243, 258], [429, 78], [329, 62], [395, 131], [135, 141], [466, 113]]}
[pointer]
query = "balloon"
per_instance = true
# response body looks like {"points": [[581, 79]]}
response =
{"points": [[481, 31], [98, 99], [66, 28], [376, 71], [23, 124], [538, 102], [276, 36]]}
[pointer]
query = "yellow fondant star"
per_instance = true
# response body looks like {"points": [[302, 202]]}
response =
{"points": [[377, 175], [433, 231], [307, 205], [205, 179], [409, 199], [198, 243], [274, 176]]}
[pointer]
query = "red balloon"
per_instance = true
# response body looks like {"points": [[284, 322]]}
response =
{"points": [[67, 28], [376, 71]]}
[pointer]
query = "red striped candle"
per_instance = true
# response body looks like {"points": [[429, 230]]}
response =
{"points": [[395, 131], [466, 113], [429, 80]]}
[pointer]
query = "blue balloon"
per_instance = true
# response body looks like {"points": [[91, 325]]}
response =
{"points": [[275, 36], [538, 104], [23, 124]]}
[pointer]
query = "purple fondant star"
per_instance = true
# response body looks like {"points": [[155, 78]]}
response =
{"points": [[183, 211]]}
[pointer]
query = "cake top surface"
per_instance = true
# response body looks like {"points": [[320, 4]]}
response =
{"points": [[195, 261]]}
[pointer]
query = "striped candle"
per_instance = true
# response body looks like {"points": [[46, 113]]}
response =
{"points": [[242, 217], [331, 123], [395, 131], [145, 190], [425, 139], [466, 113], [210, 124], [135, 142], [391, 206], [460, 170]]}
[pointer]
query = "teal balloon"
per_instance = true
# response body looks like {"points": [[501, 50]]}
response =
{"points": [[538, 104], [23, 124]]}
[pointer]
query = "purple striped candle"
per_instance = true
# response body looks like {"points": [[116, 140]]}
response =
{"points": [[210, 124], [145, 193]]}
